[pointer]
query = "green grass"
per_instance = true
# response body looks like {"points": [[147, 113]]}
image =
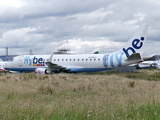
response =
{"points": [[146, 112], [80, 96], [145, 76]]}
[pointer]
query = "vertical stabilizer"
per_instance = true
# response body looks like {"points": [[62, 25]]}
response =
{"points": [[136, 42]]}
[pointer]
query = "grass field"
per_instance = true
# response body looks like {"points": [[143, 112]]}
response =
{"points": [[109, 96]]}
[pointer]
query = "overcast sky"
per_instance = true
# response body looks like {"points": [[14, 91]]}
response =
{"points": [[83, 26]]}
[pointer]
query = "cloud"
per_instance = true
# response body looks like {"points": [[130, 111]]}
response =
{"points": [[44, 25]]}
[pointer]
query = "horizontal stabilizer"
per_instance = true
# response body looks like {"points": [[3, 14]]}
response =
{"points": [[134, 56]]}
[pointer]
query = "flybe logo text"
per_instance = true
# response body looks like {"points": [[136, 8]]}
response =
{"points": [[113, 60], [34, 61], [136, 44], [38, 60]]}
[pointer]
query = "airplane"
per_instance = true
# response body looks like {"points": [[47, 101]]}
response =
{"points": [[157, 65], [129, 54], [2, 65], [153, 62], [146, 64]]}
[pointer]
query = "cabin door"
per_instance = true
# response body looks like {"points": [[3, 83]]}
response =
{"points": [[20, 61]]}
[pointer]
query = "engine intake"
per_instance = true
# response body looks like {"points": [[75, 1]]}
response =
{"points": [[42, 71]]}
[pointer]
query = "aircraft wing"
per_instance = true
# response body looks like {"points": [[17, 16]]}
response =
{"points": [[134, 56], [56, 67]]}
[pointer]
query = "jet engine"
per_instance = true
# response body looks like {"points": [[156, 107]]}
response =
{"points": [[42, 71]]}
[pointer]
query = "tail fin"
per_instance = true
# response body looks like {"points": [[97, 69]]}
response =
{"points": [[136, 42]]}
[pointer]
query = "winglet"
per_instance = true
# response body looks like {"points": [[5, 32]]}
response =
{"points": [[50, 58]]}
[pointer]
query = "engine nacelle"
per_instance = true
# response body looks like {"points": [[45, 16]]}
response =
{"points": [[42, 71]]}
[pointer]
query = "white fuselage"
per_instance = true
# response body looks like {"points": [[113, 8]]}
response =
{"points": [[76, 63]]}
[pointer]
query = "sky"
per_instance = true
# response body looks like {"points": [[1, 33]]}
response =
{"points": [[83, 26]]}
